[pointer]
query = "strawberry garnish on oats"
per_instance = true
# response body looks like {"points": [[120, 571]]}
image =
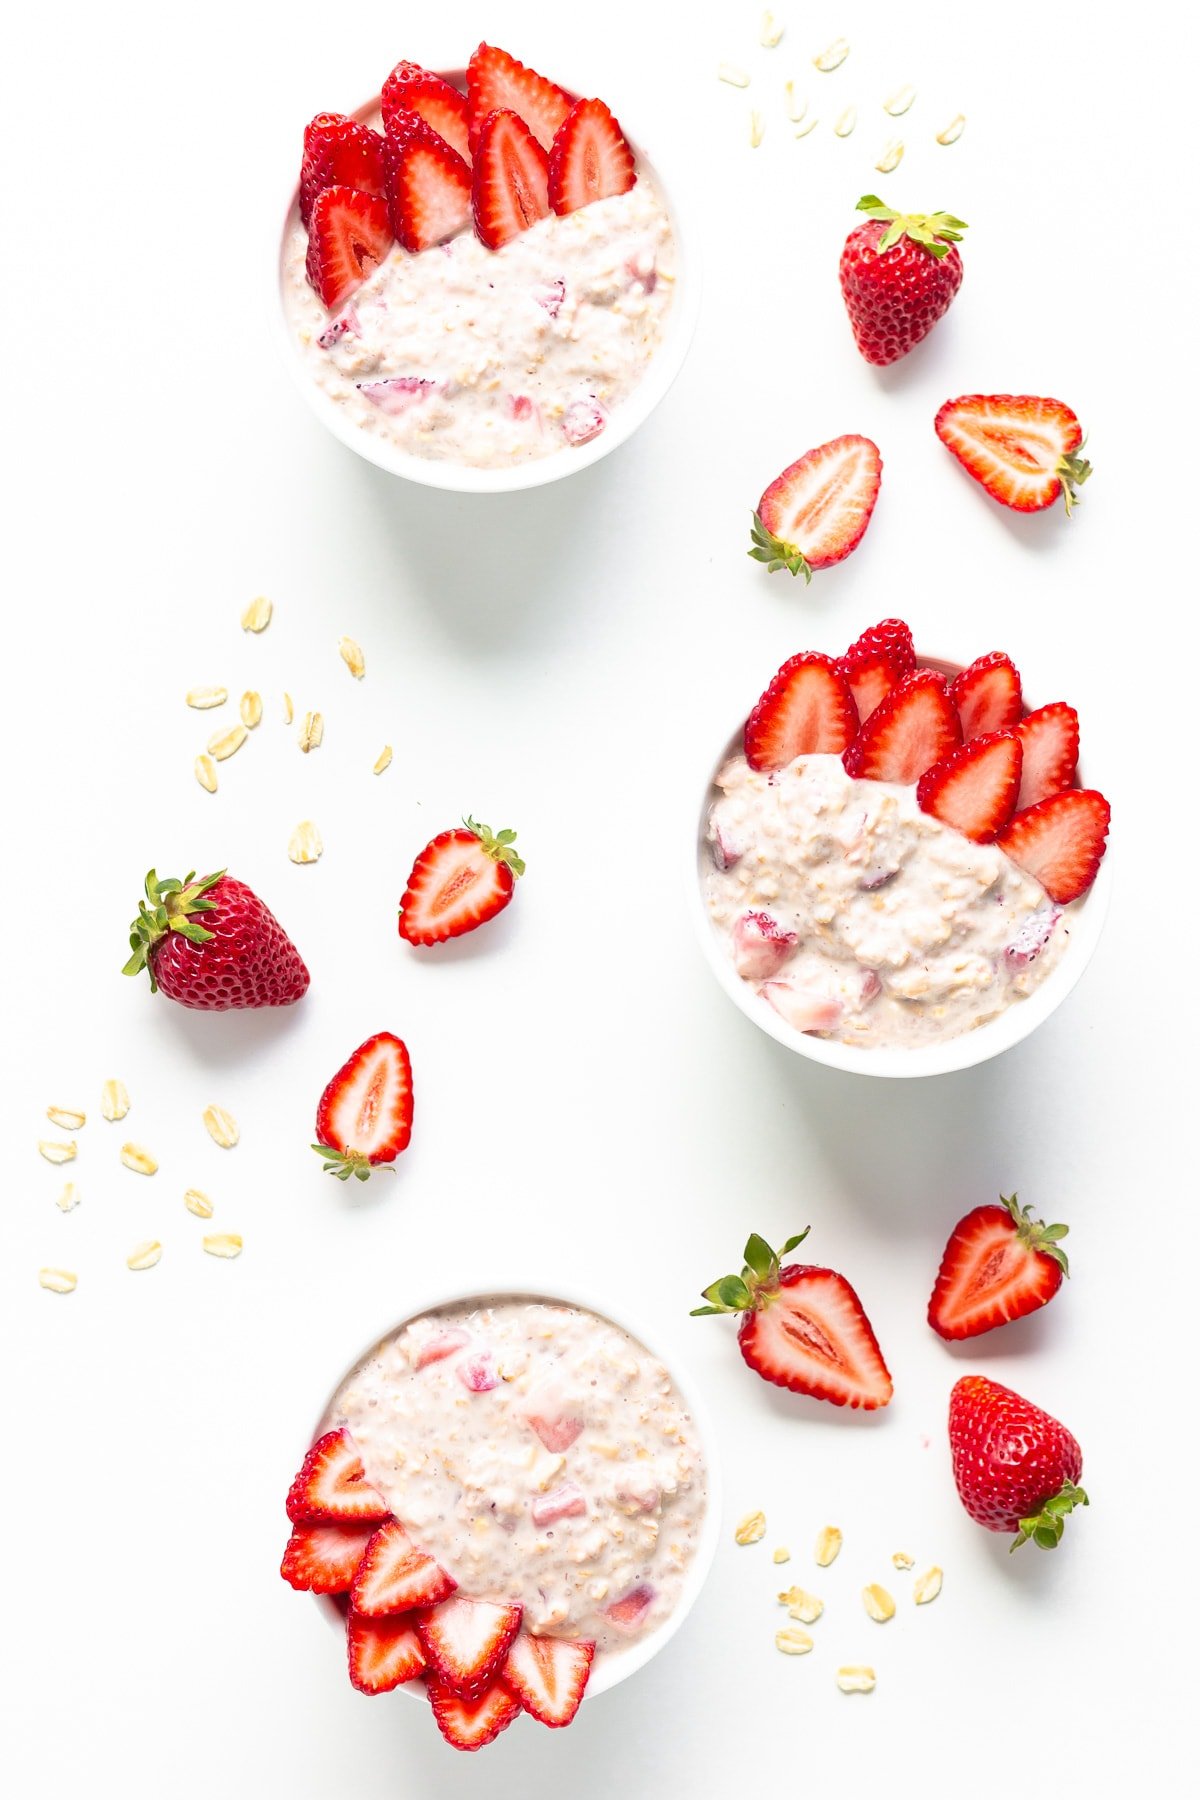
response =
{"points": [[411, 89], [1023, 449], [1060, 841], [998, 1265], [461, 879], [815, 513], [339, 152], [382, 1653], [332, 1487], [211, 944], [394, 1576], [428, 185], [802, 1327], [466, 1641], [912, 728], [1049, 752], [509, 191], [589, 158], [497, 82], [349, 235], [974, 789], [549, 1675], [324, 1559], [807, 710], [470, 1724], [877, 662], [988, 695], [365, 1115], [1016, 1468]]}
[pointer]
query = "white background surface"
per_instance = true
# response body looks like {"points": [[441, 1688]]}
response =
{"points": [[589, 1108]]}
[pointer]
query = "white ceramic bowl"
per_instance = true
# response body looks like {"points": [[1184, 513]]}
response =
{"points": [[962, 1052], [535, 471], [609, 1670]]}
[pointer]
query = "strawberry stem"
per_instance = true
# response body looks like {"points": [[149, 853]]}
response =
{"points": [[171, 906], [759, 1279], [1045, 1527], [499, 844], [934, 232], [776, 552], [1072, 472], [345, 1163], [1045, 1239]]}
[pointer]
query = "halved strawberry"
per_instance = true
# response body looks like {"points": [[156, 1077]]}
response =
{"points": [[365, 1115], [987, 694], [339, 152], [465, 1641], [460, 881], [332, 1486], [1020, 447], [807, 710], [1049, 751], [815, 513], [470, 1724], [497, 82], [428, 185], [1060, 841], [509, 180], [395, 1577], [802, 1328], [382, 1653], [589, 158], [348, 236], [411, 89], [999, 1264], [912, 728], [975, 788], [324, 1559], [549, 1675]]}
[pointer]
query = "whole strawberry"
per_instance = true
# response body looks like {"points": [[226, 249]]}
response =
{"points": [[899, 273], [1016, 1468], [213, 945]]}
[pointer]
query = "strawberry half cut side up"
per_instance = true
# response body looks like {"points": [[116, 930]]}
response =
{"points": [[802, 1327], [815, 513], [998, 1265], [974, 789], [1015, 1467], [808, 710], [365, 1115], [349, 235], [1021, 448], [912, 728], [1060, 841], [497, 82], [212, 945], [332, 1487], [549, 1675], [589, 158], [509, 180], [460, 881]]}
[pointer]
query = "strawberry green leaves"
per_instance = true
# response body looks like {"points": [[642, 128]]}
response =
{"points": [[1031, 1231], [739, 1293], [935, 232], [171, 904], [499, 845], [1045, 1528]]}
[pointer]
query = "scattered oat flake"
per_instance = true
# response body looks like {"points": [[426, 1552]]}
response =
{"points": [[854, 1678], [832, 57], [758, 127], [198, 1203], [257, 616], [796, 107], [137, 1159], [57, 1153], [69, 1199], [66, 1118], [144, 1256], [223, 1243], [224, 743], [221, 1126], [846, 122], [810, 124], [902, 1560], [383, 760], [733, 75], [289, 711], [879, 1603], [751, 1528], [897, 104], [58, 1281], [781, 1555], [206, 772], [892, 157], [202, 698], [251, 709], [304, 845], [829, 1542], [801, 1605], [770, 32], [311, 732], [953, 131], [793, 1642], [353, 657], [928, 1586], [114, 1100]]}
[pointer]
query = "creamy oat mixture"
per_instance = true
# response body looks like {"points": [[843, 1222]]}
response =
{"points": [[491, 357], [860, 918], [540, 1454]]}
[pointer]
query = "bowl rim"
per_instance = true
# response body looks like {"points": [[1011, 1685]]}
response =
{"points": [[965, 1051], [659, 376], [614, 1669]]}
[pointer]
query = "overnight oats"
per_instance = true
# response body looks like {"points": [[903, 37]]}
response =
{"points": [[525, 1494], [896, 857], [477, 278]]}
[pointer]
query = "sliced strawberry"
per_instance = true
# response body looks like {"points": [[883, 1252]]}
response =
{"points": [[1049, 751], [382, 1653], [1021, 448], [912, 728], [435, 1349], [332, 1486], [815, 513], [339, 152], [589, 158], [628, 1611], [803, 1328], [411, 89], [348, 236], [988, 695], [808, 710], [497, 82], [428, 185], [891, 638], [999, 1264], [460, 881], [324, 1559], [466, 1641], [470, 1724], [557, 1431], [871, 680], [548, 1675], [365, 1115], [509, 180], [395, 1577], [1060, 841], [975, 788]]}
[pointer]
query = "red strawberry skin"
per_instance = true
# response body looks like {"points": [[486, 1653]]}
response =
{"points": [[807, 710], [877, 662], [1010, 1458], [974, 789], [246, 958], [815, 513], [998, 1265], [988, 695], [411, 89], [496, 81], [509, 180], [461, 879], [895, 297], [428, 185], [589, 158], [1060, 841], [913, 727], [1023, 449], [339, 152], [332, 1488], [365, 1115]]}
